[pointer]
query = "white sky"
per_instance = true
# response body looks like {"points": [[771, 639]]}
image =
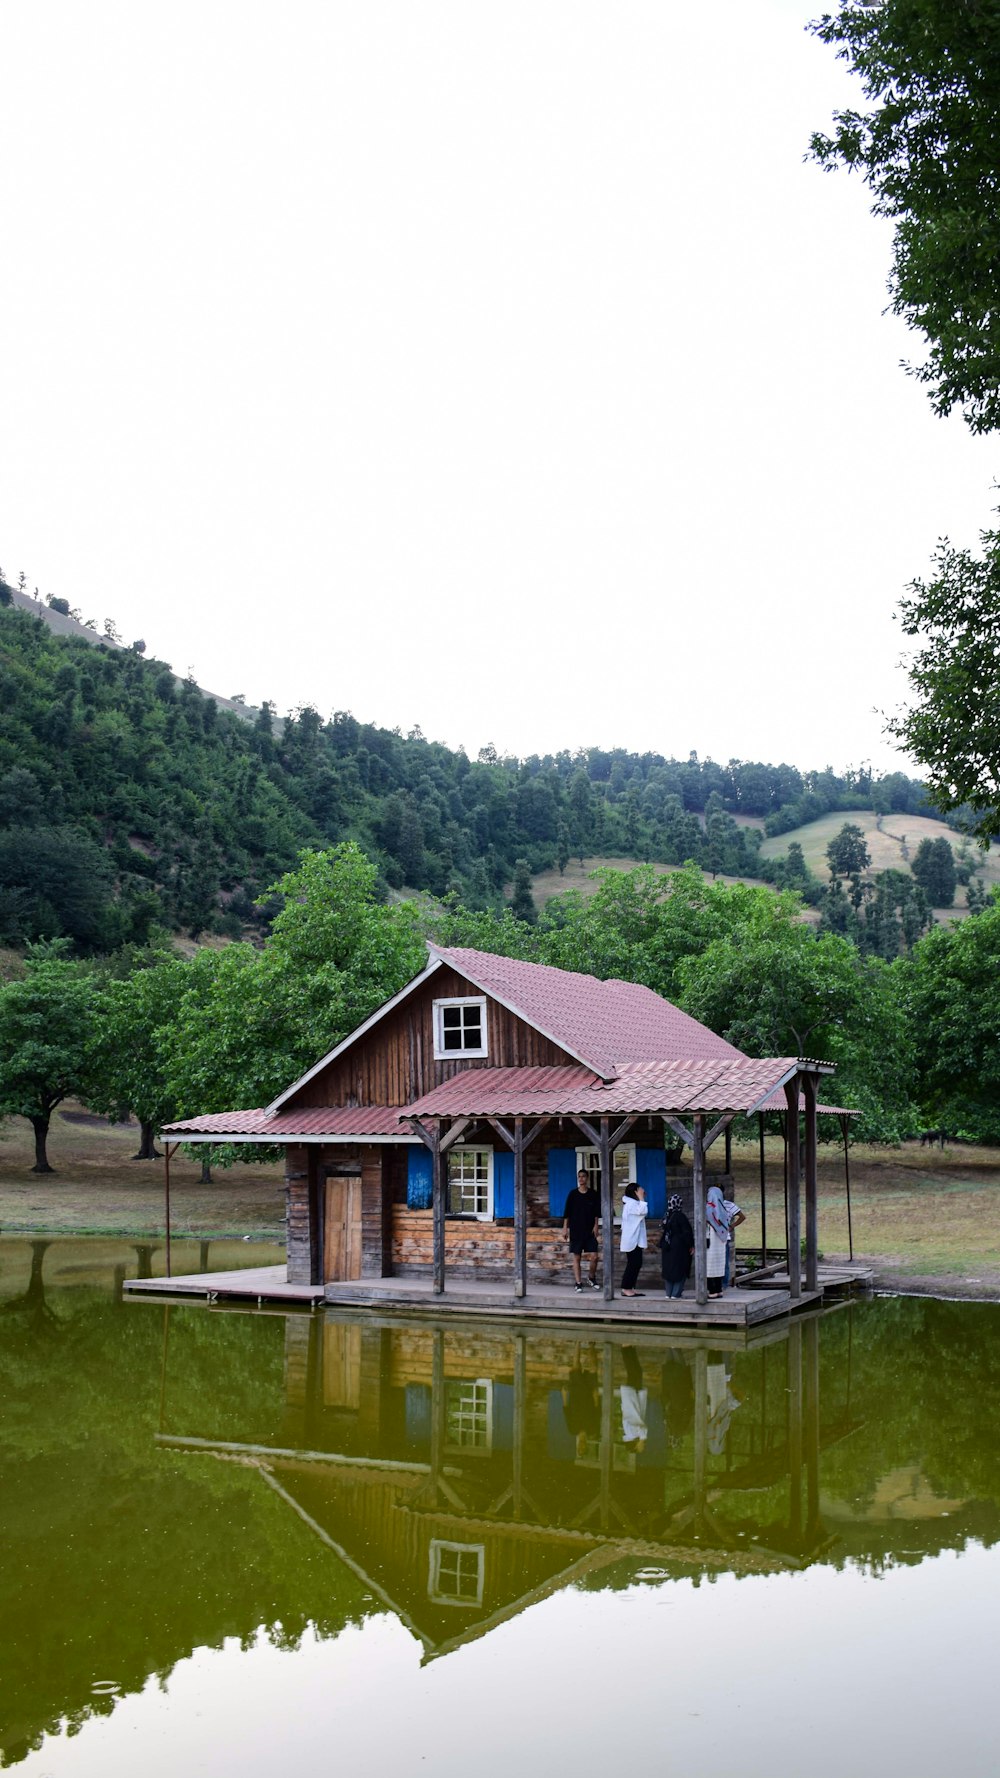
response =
{"points": [[493, 365]]}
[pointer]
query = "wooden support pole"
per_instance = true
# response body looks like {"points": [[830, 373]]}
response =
{"points": [[729, 1148], [847, 1182], [607, 1211], [168, 1149], [520, 1213], [698, 1188], [812, 1196], [784, 1142], [437, 1405], [794, 1194], [763, 1191], [439, 1164]]}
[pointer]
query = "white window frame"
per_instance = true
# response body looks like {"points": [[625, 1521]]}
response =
{"points": [[438, 1546], [478, 1410], [467, 1055], [583, 1155], [457, 1149]]}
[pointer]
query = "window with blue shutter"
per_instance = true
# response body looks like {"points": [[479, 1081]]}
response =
{"points": [[562, 1178], [419, 1178], [651, 1174], [503, 1182]]}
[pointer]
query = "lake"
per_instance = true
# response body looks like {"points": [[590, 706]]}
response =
{"points": [[256, 1541]]}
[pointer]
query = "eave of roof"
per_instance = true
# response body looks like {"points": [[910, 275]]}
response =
{"points": [[323, 1123]]}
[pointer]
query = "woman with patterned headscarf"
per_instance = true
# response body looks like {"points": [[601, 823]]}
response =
{"points": [[676, 1248], [718, 1239]]}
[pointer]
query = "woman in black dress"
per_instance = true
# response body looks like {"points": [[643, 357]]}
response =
{"points": [[676, 1248]]}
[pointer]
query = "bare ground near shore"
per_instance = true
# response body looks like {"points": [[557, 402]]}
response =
{"points": [[927, 1220]]}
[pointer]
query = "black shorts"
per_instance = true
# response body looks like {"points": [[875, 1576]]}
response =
{"points": [[583, 1243]]}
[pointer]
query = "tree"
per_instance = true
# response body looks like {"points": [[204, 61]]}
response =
{"points": [[954, 726], [46, 1028], [926, 148], [522, 903], [129, 1075], [952, 991], [848, 854], [934, 869]]}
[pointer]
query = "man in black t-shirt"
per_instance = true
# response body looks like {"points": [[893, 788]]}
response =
{"points": [[583, 1207]]}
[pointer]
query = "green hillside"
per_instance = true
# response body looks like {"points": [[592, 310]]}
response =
{"points": [[892, 841]]}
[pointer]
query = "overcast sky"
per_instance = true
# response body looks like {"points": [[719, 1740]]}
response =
{"points": [[499, 368]]}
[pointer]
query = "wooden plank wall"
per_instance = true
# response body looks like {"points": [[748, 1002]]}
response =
{"points": [[394, 1064]]}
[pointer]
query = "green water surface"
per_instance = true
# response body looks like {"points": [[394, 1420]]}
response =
{"points": [[240, 1542]]}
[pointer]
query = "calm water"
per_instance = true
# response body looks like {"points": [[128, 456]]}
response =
{"points": [[246, 1543]]}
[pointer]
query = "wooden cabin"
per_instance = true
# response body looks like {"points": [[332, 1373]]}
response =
{"points": [[442, 1137]]}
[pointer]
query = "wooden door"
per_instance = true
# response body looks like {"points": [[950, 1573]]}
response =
{"points": [[342, 1235]]}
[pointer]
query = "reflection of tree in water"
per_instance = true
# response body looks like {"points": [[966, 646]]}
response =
{"points": [[32, 1302]]}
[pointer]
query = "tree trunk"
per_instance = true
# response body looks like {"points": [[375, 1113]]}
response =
{"points": [[206, 1165], [40, 1125], [147, 1148]]}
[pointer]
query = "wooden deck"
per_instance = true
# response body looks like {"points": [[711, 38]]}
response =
{"points": [[253, 1284], [736, 1310]]}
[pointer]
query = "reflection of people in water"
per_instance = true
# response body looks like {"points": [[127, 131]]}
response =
{"points": [[581, 1404], [722, 1404], [676, 1396], [634, 1399]]}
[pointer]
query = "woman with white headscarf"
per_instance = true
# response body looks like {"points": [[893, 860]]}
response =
{"points": [[718, 1239]]}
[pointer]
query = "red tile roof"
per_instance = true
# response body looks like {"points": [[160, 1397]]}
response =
{"points": [[641, 1087], [603, 1024], [323, 1120]]}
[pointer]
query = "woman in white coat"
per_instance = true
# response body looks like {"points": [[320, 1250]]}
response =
{"points": [[634, 1212]]}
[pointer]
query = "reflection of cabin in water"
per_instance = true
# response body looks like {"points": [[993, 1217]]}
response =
{"points": [[455, 1476], [439, 1141]]}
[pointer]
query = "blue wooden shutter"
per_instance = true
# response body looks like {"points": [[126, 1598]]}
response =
{"points": [[419, 1178], [503, 1182], [651, 1174], [562, 1178]]}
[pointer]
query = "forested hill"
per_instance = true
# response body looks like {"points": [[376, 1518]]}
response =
{"points": [[128, 797]]}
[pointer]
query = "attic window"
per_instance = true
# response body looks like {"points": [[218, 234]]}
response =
{"points": [[456, 1573], [459, 1028]]}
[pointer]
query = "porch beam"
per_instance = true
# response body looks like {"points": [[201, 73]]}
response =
{"points": [[721, 1124], [794, 1191], [698, 1186], [456, 1133], [593, 1136], [501, 1130], [679, 1129], [623, 1129]]}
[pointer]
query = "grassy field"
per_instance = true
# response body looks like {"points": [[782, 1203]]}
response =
{"points": [[577, 876], [925, 1218], [98, 1189], [892, 846]]}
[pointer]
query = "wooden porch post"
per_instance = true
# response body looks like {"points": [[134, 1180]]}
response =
{"points": [[520, 1213], [729, 1149], [439, 1163], [169, 1148], [812, 1204], [607, 1211], [698, 1187], [794, 1194], [763, 1192]]}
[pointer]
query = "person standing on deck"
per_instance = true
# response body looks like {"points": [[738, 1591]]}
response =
{"points": [[735, 1216], [634, 1212], [718, 1239], [583, 1207], [676, 1247]]}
